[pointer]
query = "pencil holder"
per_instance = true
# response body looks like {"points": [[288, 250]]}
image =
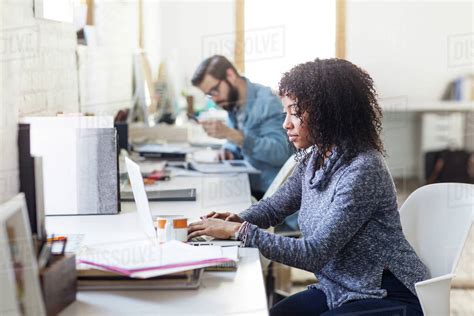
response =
{"points": [[58, 282]]}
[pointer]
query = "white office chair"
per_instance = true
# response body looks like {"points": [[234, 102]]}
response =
{"points": [[436, 220], [281, 176]]}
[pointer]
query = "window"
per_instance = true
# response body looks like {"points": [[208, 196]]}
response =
{"points": [[280, 34]]}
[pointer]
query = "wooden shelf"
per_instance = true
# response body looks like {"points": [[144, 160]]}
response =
{"points": [[403, 105]]}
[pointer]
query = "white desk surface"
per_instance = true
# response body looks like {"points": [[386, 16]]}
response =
{"points": [[237, 293]]}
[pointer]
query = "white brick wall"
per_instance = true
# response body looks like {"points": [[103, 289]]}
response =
{"points": [[38, 76], [105, 79]]}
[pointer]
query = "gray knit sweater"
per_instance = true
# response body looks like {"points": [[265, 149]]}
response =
{"points": [[350, 225]]}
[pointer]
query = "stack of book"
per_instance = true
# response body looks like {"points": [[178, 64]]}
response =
{"points": [[144, 264]]}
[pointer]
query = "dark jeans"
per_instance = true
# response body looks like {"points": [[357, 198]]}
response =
{"points": [[399, 302], [257, 194]]}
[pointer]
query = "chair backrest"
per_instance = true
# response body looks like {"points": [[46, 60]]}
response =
{"points": [[436, 219], [281, 176]]}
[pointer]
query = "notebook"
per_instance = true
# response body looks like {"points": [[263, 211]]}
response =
{"points": [[103, 280]]}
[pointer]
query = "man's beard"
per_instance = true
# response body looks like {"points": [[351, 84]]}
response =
{"points": [[232, 98]]}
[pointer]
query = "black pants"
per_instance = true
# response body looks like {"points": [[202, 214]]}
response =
{"points": [[399, 302], [257, 194]]}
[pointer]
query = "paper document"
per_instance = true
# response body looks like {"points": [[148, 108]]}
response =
{"points": [[226, 166], [145, 259], [206, 156], [199, 138], [182, 172]]}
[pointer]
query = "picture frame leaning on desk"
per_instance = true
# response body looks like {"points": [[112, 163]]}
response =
{"points": [[19, 276]]}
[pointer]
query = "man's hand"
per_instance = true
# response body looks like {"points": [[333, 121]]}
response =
{"points": [[226, 216], [213, 227], [217, 129], [226, 155]]}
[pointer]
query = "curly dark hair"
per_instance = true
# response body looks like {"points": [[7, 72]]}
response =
{"points": [[341, 104]]}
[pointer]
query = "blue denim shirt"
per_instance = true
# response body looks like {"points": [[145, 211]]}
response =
{"points": [[265, 144]]}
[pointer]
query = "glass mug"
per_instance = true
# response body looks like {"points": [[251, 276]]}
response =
{"points": [[171, 227]]}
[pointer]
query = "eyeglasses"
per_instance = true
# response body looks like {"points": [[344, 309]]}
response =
{"points": [[214, 92]]}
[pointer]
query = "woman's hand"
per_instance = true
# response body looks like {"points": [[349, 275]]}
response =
{"points": [[213, 227], [226, 216]]}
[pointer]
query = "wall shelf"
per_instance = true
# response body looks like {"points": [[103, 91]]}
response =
{"points": [[404, 105]]}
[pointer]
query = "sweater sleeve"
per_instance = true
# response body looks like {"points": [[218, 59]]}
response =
{"points": [[352, 206], [284, 202]]}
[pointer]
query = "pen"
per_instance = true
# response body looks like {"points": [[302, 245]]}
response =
{"points": [[45, 253], [44, 256]]}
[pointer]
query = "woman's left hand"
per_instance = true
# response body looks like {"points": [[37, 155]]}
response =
{"points": [[213, 227]]}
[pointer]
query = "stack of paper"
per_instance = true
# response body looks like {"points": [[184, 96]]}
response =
{"points": [[205, 156], [226, 166], [145, 259], [164, 152]]}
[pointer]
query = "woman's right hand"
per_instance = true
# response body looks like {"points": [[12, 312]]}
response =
{"points": [[226, 216]]}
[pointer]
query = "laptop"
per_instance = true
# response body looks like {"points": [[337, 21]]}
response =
{"points": [[145, 217]]}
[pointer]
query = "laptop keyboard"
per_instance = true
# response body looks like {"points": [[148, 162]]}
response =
{"points": [[200, 239]]}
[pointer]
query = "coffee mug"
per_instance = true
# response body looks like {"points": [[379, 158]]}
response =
{"points": [[171, 227]]}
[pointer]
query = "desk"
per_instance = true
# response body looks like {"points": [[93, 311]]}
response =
{"points": [[238, 293], [405, 123]]}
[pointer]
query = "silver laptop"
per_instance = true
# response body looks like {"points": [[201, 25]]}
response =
{"points": [[145, 217]]}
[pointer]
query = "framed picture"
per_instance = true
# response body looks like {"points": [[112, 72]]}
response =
{"points": [[19, 276], [8, 304]]}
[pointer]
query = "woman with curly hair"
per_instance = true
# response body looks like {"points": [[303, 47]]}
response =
{"points": [[348, 215]]}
